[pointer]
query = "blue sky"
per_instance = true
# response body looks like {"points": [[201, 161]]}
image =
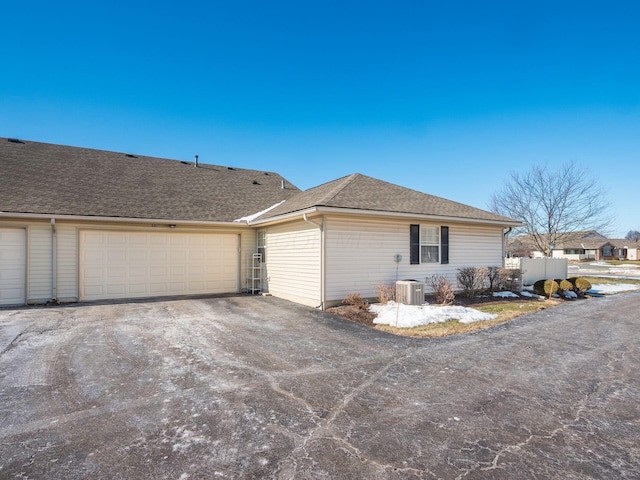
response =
{"points": [[447, 98]]}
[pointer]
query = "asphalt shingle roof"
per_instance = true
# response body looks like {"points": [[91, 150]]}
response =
{"points": [[42, 178], [361, 192]]}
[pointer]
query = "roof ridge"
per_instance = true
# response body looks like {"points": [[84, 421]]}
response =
{"points": [[338, 188]]}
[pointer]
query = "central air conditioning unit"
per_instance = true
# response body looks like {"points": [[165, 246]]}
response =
{"points": [[410, 292]]}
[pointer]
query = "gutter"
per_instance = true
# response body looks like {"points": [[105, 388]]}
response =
{"points": [[377, 213], [504, 244], [89, 218], [322, 259]]}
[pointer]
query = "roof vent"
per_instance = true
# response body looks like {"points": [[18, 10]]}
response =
{"points": [[183, 162], [196, 163], [266, 173], [14, 140], [255, 182], [230, 168], [130, 155]]}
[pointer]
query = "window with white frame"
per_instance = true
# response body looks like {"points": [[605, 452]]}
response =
{"points": [[261, 244], [429, 244]]}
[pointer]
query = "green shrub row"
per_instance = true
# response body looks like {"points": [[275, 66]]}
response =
{"points": [[579, 285]]}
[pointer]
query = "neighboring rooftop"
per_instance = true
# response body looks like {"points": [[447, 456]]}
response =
{"points": [[361, 192], [42, 178]]}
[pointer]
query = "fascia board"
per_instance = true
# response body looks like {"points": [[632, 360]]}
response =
{"points": [[442, 218], [89, 218]]}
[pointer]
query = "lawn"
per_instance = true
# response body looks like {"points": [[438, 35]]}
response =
{"points": [[623, 262]]}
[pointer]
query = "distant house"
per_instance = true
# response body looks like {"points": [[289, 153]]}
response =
{"points": [[580, 246], [82, 225]]}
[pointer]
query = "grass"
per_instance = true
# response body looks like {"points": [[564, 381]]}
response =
{"points": [[506, 311], [610, 280], [623, 262]]}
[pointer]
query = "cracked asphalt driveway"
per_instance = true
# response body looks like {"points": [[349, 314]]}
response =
{"points": [[255, 387]]}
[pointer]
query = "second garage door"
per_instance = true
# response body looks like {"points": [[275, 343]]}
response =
{"points": [[146, 264], [12, 266]]}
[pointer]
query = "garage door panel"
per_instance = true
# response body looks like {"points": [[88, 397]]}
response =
{"points": [[138, 239], [137, 289], [117, 256], [137, 255], [158, 289], [116, 291], [158, 239], [136, 264], [158, 272], [137, 272], [13, 265], [117, 238], [158, 255]]}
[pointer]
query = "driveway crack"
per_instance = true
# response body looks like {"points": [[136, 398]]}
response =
{"points": [[324, 425]]}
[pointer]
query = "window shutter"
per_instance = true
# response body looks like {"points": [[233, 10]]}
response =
{"points": [[414, 244], [444, 245]]}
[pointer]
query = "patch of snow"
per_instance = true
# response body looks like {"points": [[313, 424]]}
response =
{"points": [[249, 218], [608, 289], [530, 295], [505, 295], [570, 294], [609, 265], [407, 316]]}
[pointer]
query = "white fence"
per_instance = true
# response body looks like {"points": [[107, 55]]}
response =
{"points": [[534, 269]]}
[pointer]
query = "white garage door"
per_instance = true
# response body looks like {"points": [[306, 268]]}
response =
{"points": [[147, 264], [13, 254]]}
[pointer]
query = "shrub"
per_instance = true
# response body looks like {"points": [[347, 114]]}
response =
{"points": [[493, 275], [509, 279], [472, 280], [565, 285], [442, 289], [580, 284], [386, 293], [546, 287], [357, 301]]}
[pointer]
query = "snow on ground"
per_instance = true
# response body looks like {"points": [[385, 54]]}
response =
{"points": [[505, 295], [407, 316], [609, 265], [526, 293], [606, 288], [604, 269]]}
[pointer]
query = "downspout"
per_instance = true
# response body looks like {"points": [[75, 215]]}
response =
{"points": [[504, 243], [322, 259], [54, 265]]}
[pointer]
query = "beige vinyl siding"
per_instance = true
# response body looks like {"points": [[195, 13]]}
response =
{"points": [[293, 262], [39, 248], [247, 247], [67, 262], [360, 254], [39, 252]]}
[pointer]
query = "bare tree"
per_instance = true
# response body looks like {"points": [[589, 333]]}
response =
{"points": [[552, 204], [633, 235]]}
